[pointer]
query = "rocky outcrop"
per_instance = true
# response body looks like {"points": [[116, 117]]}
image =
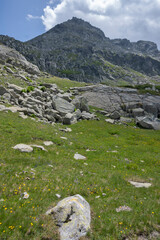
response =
{"points": [[15, 59], [72, 216], [124, 102], [50, 105]]}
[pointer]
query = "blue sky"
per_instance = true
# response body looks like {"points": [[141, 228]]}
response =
{"points": [[13, 18], [131, 19]]}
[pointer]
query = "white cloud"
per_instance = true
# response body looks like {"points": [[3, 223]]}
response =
{"points": [[31, 17], [132, 19]]}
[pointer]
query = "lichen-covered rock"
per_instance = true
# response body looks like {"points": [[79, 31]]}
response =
{"points": [[72, 215]]}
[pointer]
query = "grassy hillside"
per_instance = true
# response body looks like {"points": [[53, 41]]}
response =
{"points": [[102, 179]]}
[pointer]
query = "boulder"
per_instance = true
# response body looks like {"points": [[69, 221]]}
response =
{"points": [[62, 106], [16, 88], [9, 70], [69, 119], [150, 108], [138, 112], [115, 115], [23, 148], [78, 114], [66, 96], [87, 115], [72, 216], [148, 122], [109, 120], [3, 90], [81, 103]]}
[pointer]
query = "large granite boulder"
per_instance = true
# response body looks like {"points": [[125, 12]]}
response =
{"points": [[73, 217], [81, 103], [148, 122], [62, 106]]}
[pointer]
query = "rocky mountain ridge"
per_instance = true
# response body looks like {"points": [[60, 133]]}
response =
{"points": [[77, 50], [50, 104]]}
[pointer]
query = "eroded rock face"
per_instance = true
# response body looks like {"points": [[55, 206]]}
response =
{"points": [[15, 58], [73, 217]]}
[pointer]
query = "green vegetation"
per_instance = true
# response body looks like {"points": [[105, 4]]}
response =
{"points": [[28, 89], [62, 83], [68, 72], [136, 157]]}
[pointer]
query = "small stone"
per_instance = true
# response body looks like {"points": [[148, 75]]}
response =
{"points": [[48, 143], [50, 166], [58, 195], [123, 208], [78, 156], [97, 197], [40, 147], [110, 121], [63, 138], [23, 148], [86, 164], [139, 184]]}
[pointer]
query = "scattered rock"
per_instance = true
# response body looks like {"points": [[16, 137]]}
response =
{"points": [[39, 146], [69, 119], [48, 143], [58, 195], [66, 129], [123, 208], [115, 115], [140, 184], [110, 120], [73, 217], [64, 138], [78, 156], [148, 122], [23, 148]]}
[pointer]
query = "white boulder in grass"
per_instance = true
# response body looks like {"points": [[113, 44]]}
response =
{"points": [[23, 148], [78, 156], [140, 184], [48, 143], [73, 217]]}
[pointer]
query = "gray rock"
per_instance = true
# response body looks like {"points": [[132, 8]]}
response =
{"points": [[9, 70], [2, 107], [7, 96], [77, 114], [62, 106], [16, 88], [140, 184], [108, 120], [115, 115], [73, 217], [138, 112], [66, 96], [3, 90], [87, 116], [125, 120], [23, 148], [69, 119], [150, 108], [148, 123], [81, 103]]}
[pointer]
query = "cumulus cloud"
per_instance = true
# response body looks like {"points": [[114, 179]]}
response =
{"points": [[132, 19]]}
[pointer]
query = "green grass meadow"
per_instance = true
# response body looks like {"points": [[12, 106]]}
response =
{"points": [[102, 179]]}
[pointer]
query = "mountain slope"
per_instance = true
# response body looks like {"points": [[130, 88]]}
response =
{"points": [[77, 50]]}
